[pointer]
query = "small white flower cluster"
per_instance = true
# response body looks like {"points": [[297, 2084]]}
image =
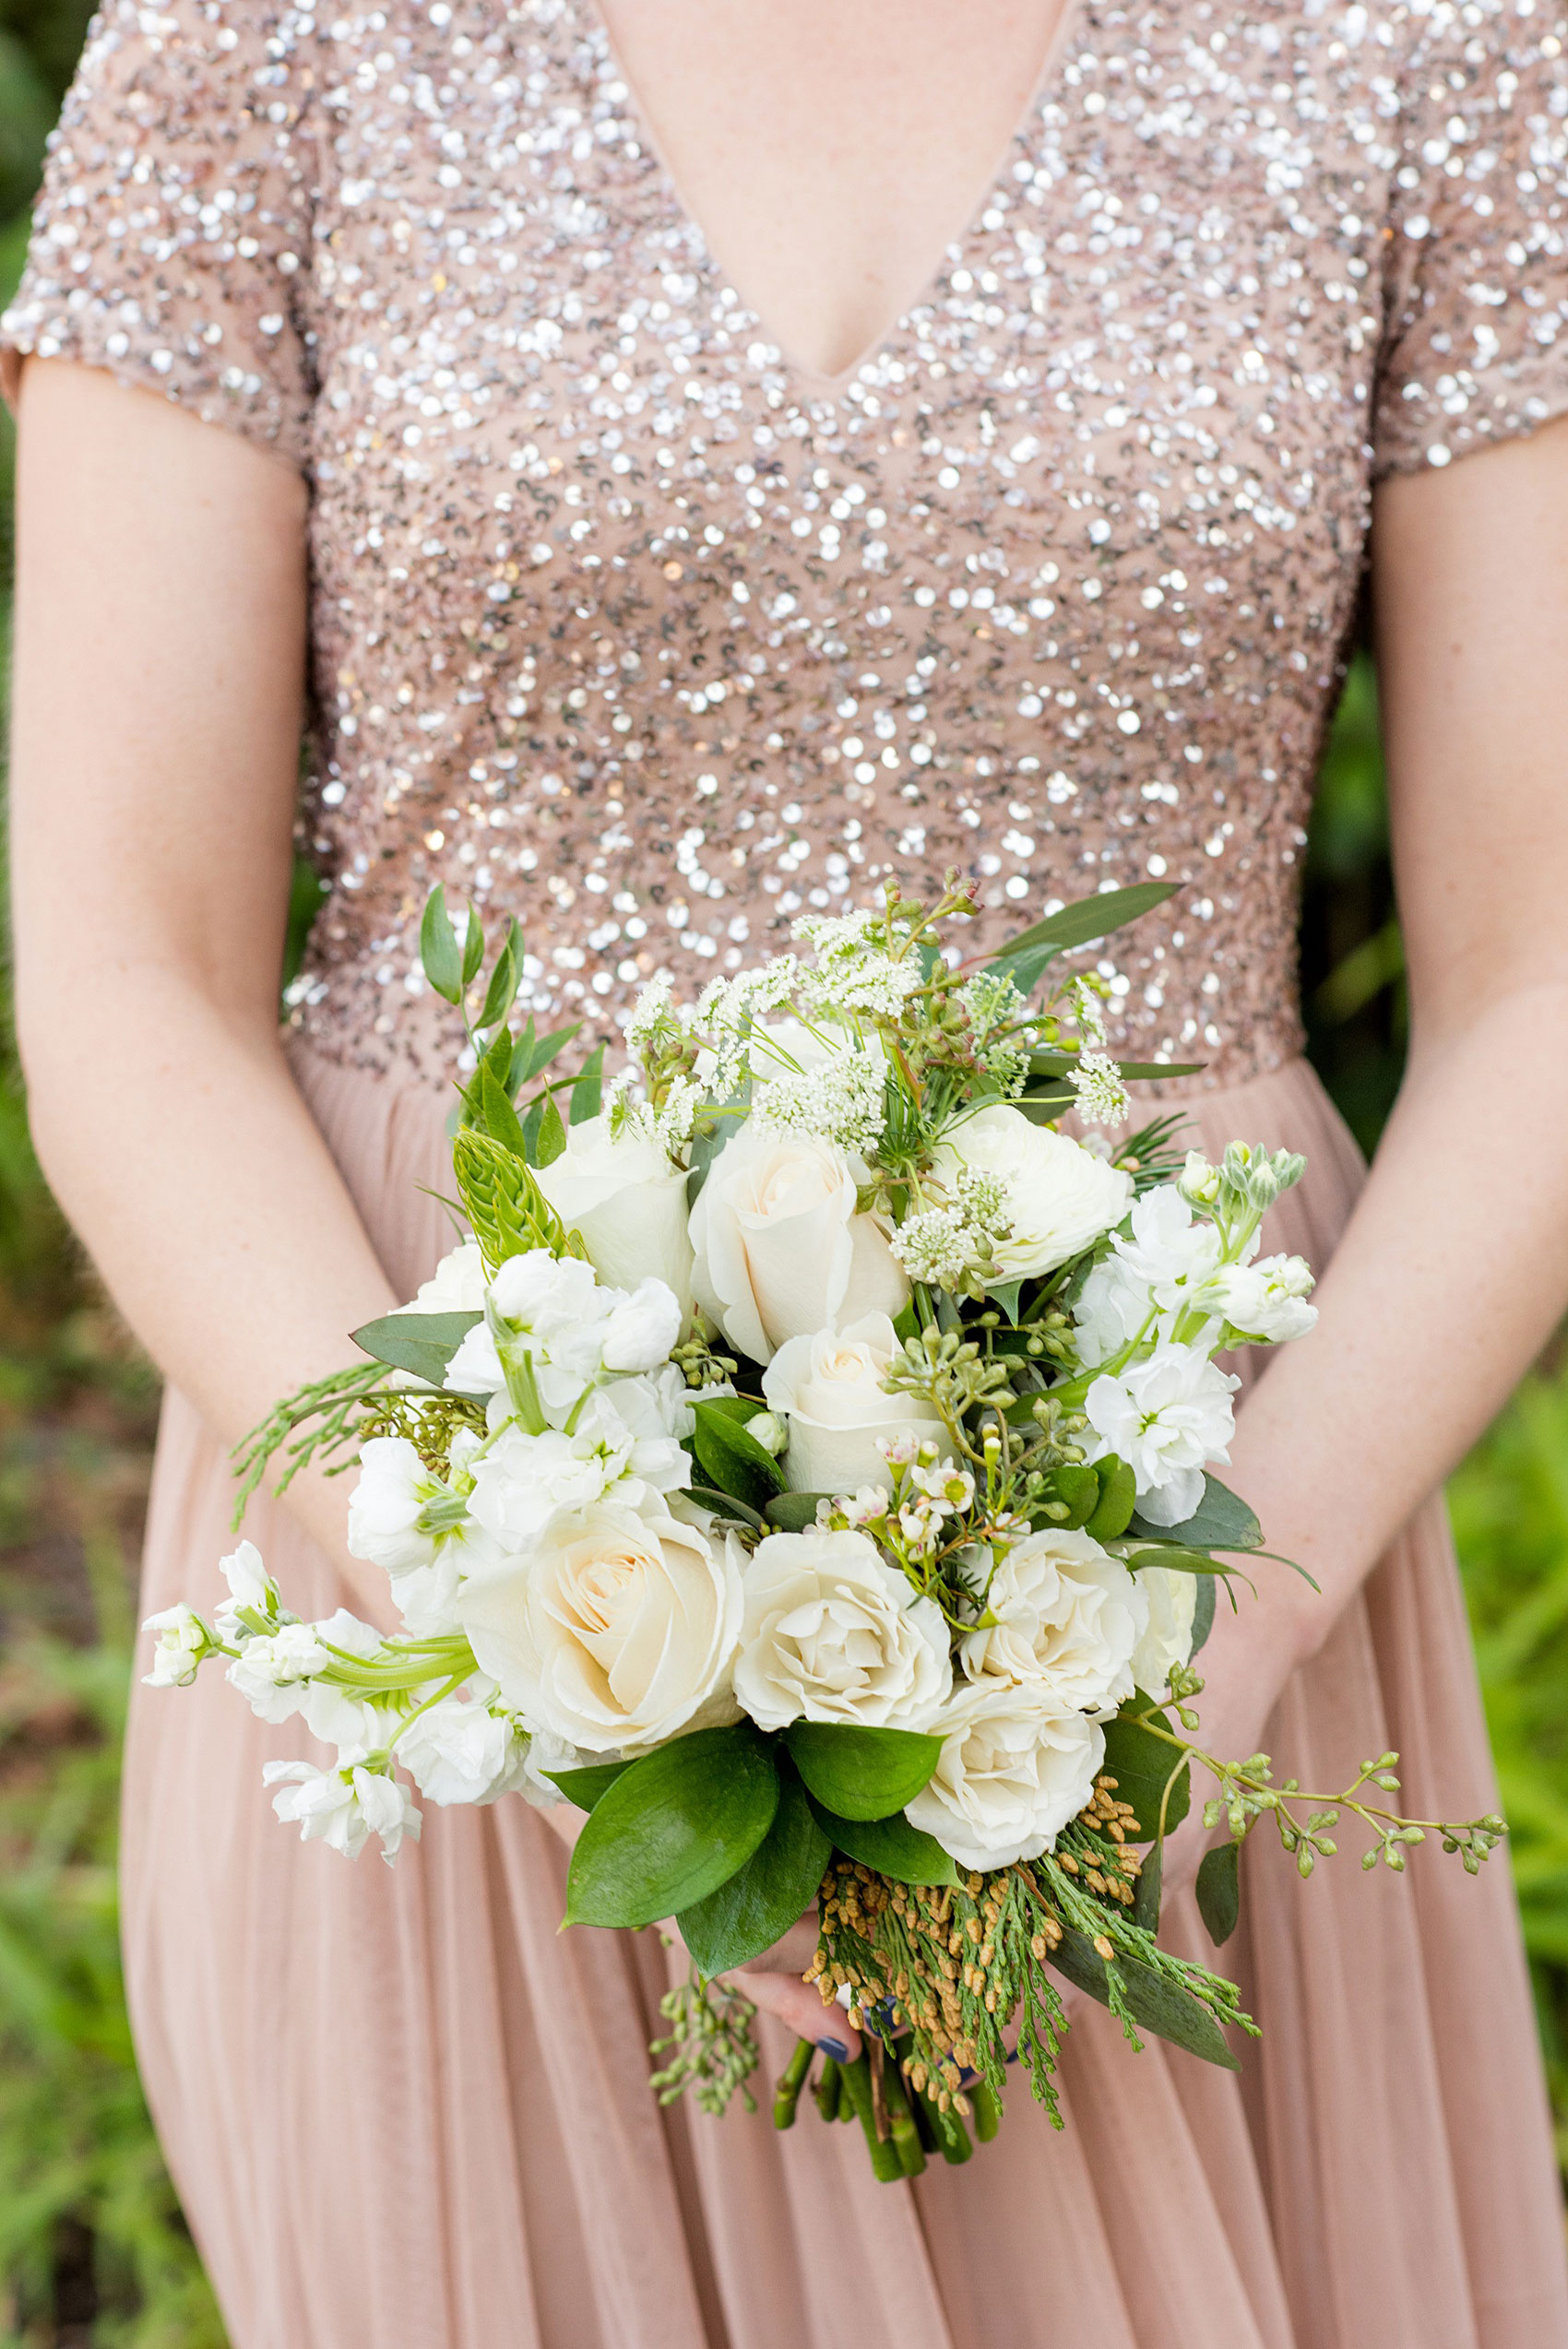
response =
{"points": [[854, 975], [841, 1100], [1102, 1097], [942, 1245]]}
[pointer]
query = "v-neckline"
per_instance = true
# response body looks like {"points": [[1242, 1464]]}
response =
{"points": [[824, 386]]}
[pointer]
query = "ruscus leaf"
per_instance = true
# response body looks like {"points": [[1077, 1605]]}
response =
{"points": [[862, 1773], [672, 1828], [584, 1786], [1219, 1891], [589, 1091], [1141, 1765], [552, 1135], [892, 1846], [733, 1460], [754, 1907]]}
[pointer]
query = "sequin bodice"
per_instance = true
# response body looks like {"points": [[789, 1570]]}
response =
{"points": [[624, 622]]}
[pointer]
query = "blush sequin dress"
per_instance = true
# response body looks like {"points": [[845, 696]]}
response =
{"points": [[625, 620]]}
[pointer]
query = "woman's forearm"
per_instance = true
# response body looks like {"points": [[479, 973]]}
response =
{"points": [[195, 1175]]}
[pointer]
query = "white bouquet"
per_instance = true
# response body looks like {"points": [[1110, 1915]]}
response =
{"points": [[806, 1467]]}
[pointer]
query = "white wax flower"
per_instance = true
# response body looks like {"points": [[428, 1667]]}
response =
{"points": [[616, 1630], [182, 1642], [628, 1201], [457, 1285], [1010, 1776], [780, 1249], [1166, 1416], [1069, 1619], [832, 1632], [1266, 1301], [1167, 1639], [828, 1387], [461, 1750], [1060, 1197], [344, 1807]]}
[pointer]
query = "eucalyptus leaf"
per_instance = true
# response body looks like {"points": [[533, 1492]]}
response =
{"points": [[422, 1343], [1203, 1613], [1139, 1071], [862, 1773], [757, 1905], [1219, 1891], [438, 948], [551, 1134], [1221, 1521], [890, 1846], [584, 1786], [1005, 1297], [1074, 1488], [1091, 918], [1141, 1765], [588, 1093], [733, 1460], [1156, 2004], [673, 1827], [791, 1512]]}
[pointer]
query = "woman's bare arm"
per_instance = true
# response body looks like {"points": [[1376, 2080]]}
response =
{"points": [[159, 656], [1453, 1270]]}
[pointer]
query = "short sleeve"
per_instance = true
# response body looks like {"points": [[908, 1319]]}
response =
{"points": [[1475, 283], [171, 241]]}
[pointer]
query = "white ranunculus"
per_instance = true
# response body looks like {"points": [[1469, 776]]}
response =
{"points": [[182, 1642], [780, 1251], [459, 1750], [1010, 1776], [1059, 1196], [1167, 1640], [830, 1388], [617, 1631], [1166, 1418], [1069, 1619], [641, 1330], [1266, 1301], [622, 1194], [343, 1806], [832, 1632], [457, 1285]]}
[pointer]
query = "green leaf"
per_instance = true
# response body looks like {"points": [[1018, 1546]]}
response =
{"points": [[501, 990], [1145, 1910], [1089, 919], [1141, 1764], [890, 1846], [1219, 1891], [1221, 1521], [733, 1460], [862, 1773], [588, 1093], [716, 1125], [1044, 1107], [754, 1907], [1156, 2003], [724, 1504], [1005, 1297], [422, 1343], [791, 1512], [1076, 1489], [500, 1119], [672, 1828], [438, 948], [541, 1051], [739, 1407], [552, 1135], [473, 948], [1137, 1071], [1203, 1613], [1113, 1512], [584, 1786]]}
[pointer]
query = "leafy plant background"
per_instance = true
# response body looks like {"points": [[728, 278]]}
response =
{"points": [[93, 2247]]}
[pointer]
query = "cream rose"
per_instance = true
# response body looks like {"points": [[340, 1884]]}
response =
{"points": [[780, 1249], [1010, 1776], [1059, 1196], [1069, 1617], [629, 1204], [828, 1389], [832, 1632], [1166, 1640], [615, 1630]]}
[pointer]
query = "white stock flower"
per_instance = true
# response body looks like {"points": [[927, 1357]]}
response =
{"points": [[1009, 1777], [832, 1632], [640, 1329], [343, 1806], [554, 1308], [457, 1285], [1167, 1640], [416, 1525], [1113, 1307], [829, 1389], [520, 1480], [182, 1642], [1166, 1417], [250, 1586], [461, 1750], [780, 1251], [1069, 1618], [622, 1194], [1172, 1255], [617, 1631], [1060, 1197], [269, 1671], [1266, 1301]]}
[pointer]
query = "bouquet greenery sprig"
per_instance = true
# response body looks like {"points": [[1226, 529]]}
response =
{"points": [[804, 1463]]}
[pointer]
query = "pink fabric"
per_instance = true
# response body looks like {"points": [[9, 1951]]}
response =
{"points": [[404, 2110]]}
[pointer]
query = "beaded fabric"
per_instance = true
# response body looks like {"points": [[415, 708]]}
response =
{"points": [[625, 620]]}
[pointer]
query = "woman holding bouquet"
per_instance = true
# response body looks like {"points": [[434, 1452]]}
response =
{"points": [[686, 467]]}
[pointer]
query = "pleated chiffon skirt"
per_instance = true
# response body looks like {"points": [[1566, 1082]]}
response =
{"points": [[403, 2110]]}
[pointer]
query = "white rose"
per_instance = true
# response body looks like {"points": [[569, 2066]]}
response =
{"points": [[832, 1632], [829, 1386], [1166, 1417], [622, 1194], [457, 1285], [616, 1631], [1168, 1641], [1010, 1776], [1059, 1196], [780, 1251], [1069, 1618], [1266, 1301], [459, 1750]]}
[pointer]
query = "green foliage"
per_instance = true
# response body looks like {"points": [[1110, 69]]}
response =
{"points": [[756, 1906], [862, 1773], [672, 1828]]}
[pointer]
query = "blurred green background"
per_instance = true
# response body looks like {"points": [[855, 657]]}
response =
{"points": [[93, 2247]]}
